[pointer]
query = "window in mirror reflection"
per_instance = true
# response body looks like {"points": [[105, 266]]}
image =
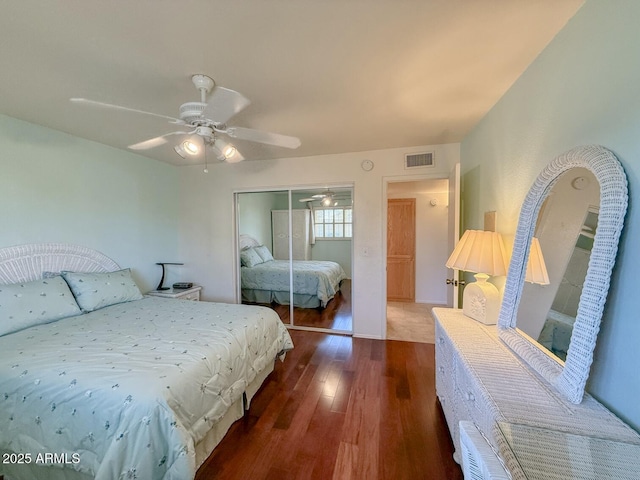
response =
{"points": [[565, 228]]}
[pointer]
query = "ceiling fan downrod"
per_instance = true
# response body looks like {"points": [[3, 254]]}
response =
{"points": [[204, 84]]}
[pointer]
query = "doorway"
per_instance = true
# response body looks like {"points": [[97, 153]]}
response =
{"points": [[409, 314], [308, 235]]}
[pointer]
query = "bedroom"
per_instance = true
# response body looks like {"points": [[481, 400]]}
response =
{"points": [[136, 197]]}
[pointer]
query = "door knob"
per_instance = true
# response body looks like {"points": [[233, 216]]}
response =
{"points": [[455, 283]]}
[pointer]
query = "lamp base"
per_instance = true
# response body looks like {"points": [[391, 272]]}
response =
{"points": [[481, 300]]}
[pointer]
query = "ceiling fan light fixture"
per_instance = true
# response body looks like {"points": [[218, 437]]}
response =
{"points": [[229, 151], [187, 149], [226, 152]]}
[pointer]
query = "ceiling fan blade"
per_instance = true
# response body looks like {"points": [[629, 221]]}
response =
{"points": [[154, 142], [94, 103], [263, 137], [223, 104]]}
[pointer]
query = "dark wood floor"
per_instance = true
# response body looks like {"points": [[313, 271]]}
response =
{"points": [[341, 408], [336, 315]]}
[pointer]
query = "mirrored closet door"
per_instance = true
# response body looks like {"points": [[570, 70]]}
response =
{"points": [[295, 254]]}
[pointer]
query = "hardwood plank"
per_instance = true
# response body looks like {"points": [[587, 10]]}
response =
{"points": [[336, 315], [343, 408]]}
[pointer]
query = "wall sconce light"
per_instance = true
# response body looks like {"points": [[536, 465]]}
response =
{"points": [[483, 253]]}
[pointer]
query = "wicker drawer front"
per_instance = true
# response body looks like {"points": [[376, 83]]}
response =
{"points": [[445, 386], [444, 370], [470, 393], [444, 354], [476, 402]]}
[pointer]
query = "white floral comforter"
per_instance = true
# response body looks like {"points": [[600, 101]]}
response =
{"points": [[129, 389]]}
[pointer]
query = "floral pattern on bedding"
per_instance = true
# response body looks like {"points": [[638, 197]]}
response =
{"points": [[310, 277], [132, 387]]}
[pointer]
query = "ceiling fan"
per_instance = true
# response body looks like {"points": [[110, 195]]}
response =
{"points": [[326, 198], [204, 122]]}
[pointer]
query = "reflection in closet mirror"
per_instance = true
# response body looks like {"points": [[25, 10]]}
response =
{"points": [[256, 241], [308, 233], [580, 194]]}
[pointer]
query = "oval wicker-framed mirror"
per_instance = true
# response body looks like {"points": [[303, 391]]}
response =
{"points": [[570, 376]]}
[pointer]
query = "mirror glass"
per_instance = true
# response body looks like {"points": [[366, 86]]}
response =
{"points": [[574, 180], [308, 232], [565, 228], [322, 278], [256, 228]]}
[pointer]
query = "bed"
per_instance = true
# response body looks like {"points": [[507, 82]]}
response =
{"points": [[143, 388], [265, 280]]}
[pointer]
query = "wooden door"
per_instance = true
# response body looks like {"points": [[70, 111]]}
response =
{"points": [[401, 249]]}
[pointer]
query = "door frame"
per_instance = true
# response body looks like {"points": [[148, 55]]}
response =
{"points": [[385, 197]]}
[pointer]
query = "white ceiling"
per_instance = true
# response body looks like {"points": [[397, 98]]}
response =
{"points": [[342, 75]]}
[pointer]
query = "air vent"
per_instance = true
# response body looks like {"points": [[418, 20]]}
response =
{"points": [[417, 160]]}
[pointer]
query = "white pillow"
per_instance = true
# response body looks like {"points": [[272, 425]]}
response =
{"points": [[23, 305], [99, 290], [264, 253], [250, 258]]}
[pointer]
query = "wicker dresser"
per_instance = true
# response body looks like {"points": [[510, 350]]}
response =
{"points": [[481, 381]]}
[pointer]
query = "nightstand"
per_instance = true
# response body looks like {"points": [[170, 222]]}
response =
{"points": [[192, 293]]}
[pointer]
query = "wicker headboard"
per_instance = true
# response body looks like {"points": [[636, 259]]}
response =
{"points": [[247, 241], [24, 263]]}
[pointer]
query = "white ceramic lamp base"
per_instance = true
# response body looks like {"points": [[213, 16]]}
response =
{"points": [[481, 300]]}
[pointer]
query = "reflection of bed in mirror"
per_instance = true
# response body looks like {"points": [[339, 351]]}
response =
{"points": [[265, 280]]}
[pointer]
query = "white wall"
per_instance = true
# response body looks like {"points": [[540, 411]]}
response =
{"points": [[207, 241], [431, 235], [582, 89], [338, 251], [59, 188], [254, 215]]}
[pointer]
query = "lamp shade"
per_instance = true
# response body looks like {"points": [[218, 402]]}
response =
{"points": [[480, 252], [536, 268]]}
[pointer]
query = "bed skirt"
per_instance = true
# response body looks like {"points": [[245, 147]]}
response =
{"points": [[266, 297]]}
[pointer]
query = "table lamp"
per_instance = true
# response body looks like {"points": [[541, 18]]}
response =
{"points": [[536, 268], [162, 264], [484, 254]]}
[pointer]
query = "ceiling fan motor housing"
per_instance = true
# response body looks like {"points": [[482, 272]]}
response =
{"points": [[191, 112]]}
